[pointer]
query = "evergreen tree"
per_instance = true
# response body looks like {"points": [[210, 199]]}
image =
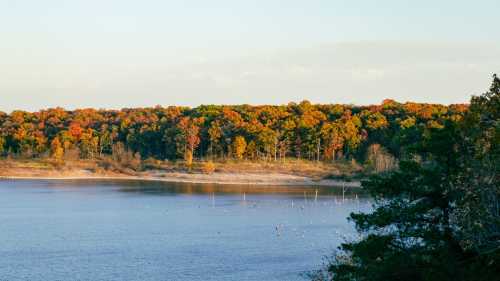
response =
{"points": [[436, 218]]}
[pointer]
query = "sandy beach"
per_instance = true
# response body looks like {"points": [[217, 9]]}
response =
{"points": [[274, 179]]}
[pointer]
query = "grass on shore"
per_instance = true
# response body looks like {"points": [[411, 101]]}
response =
{"points": [[108, 166]]}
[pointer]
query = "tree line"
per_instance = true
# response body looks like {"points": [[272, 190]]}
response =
{"points": [[320, 132]]}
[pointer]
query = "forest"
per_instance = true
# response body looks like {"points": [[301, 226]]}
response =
{"points": [[316, 132]]}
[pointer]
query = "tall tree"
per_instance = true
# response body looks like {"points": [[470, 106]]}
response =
{"points": [[2, 145], [438, 218], [240, 146], [333, 138], [189, 138], [56, 149]]}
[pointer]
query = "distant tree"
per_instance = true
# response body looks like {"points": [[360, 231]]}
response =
{"points": [[75, 130], [105, 141], [56, 149], [215, 134], [126, 158], [189, 137], [2, 145], [379, 159], [333, 139], [89, 144], [240, 146], [40, 142], [251, 150], [352, 136], [267, 140]]}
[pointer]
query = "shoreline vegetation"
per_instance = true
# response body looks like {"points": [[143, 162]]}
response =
{"points": [[294, 144], [293, 173]]}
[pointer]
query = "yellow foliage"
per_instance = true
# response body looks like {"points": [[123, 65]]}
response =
{"points": [[57, 151], [240, 146], [208, 167]]}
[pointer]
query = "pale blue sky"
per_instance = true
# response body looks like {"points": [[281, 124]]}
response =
{"points": [[116, 53]]}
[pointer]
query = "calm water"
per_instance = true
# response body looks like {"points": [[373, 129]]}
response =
{"points": [[119, 230]]}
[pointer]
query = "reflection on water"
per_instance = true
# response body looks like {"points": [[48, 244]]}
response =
{"points": [[135, 230], [191, 188], [160, 187]]}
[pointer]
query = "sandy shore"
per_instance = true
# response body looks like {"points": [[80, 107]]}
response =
{"points": [[274, 179]]}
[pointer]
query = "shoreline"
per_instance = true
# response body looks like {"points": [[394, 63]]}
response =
{"points": [[275, 179]]}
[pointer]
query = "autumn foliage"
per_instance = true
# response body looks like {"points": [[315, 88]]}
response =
{"points": [[319, 132]]}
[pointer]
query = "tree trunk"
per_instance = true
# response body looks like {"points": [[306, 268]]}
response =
{"points": [[318, 148], [275, 148]]}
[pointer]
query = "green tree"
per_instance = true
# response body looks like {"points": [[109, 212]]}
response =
{"points": [[479, 213], [267, 140], [435, 219], [215, 134], [2, 145]]}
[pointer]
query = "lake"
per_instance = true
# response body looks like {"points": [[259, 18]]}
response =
{"points": [[134, 230]]}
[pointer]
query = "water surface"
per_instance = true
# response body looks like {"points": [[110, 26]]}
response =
{"points": [[132, 230]]}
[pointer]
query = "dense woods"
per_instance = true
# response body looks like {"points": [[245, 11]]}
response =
{"points": [[328, 132]]}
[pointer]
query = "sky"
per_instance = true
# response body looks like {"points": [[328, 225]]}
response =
{"points": [[128, 53]]}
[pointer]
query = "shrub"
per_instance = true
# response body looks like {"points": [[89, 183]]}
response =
{"points": [[208, 167]]}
